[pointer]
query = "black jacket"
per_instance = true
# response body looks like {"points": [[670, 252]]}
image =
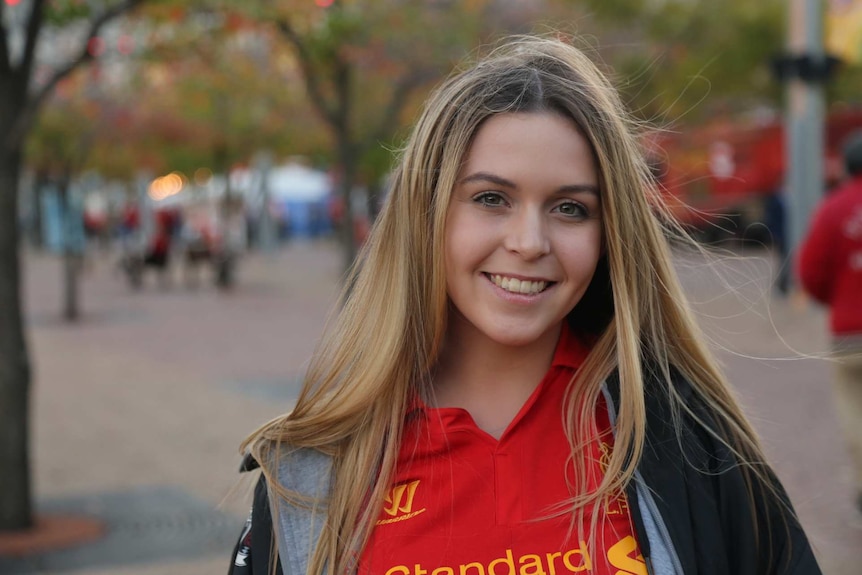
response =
{"points": [[704, 499], [255, 549], [700, 492]]}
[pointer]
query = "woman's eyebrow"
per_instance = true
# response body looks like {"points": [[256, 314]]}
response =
{"points": [[503, 182], [486, 177], [579, 189]]}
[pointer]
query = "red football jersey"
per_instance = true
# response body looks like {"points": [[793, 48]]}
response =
{"points": [[465, 503]]}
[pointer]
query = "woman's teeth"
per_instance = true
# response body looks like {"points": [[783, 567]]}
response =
{"points": [[515, 285]]}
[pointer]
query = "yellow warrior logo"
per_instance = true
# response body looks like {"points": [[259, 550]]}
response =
{"points": [[399, 503]]}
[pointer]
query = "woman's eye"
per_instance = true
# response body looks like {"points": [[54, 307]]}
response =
{"points": [[572, 209], [489, 199]]}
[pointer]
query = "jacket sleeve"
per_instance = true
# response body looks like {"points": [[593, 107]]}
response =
{"points": [[254, 552], [816, 257]]}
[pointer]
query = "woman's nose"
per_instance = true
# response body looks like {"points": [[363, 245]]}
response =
{"points": [[527, 235]]}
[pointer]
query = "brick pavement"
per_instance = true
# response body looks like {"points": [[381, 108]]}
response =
{"points": [[147, 389], [157, 388]]}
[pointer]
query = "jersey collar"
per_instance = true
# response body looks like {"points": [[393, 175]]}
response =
{"points": [[572, 348], [570, 353]]}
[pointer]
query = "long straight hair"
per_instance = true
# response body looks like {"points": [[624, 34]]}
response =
{"points": [[378, 351]]}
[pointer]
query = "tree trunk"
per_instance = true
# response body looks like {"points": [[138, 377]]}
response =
{"points": [[15, 498], [348, 179], [71, 267], [347, 153], [375, 190], [38, 223], [16, 115], [71, 258]]}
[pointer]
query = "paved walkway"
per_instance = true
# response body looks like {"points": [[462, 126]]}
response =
{"points": [[147, 398]]}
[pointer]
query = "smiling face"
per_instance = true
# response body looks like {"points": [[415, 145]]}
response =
{"points": [[523, 229]]}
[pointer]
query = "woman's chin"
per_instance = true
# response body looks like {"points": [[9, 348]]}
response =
{"points": [[519, 338]]}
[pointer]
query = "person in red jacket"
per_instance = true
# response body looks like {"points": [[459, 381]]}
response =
{"points": [[830, 269]]}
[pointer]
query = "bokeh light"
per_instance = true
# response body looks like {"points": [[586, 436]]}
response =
{"points": [[166, 186], [203, 176]]}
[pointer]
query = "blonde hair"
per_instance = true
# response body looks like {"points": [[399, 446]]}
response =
{"points": [[380, 349]]}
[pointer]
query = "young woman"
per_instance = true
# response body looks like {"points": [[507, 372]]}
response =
{"points": [[515, 384]]}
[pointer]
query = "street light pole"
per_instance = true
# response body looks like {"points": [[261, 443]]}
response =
{"points": [[805, 117]]}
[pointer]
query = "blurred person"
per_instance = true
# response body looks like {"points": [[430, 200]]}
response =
{"points": [[129, 231], [830, 270], [130, 220], [232, 243], [158, 251], [514, 382], [198, 238], [234, 226], [95, 223], [775, 219]]}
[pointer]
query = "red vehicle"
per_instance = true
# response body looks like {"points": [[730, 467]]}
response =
{"points": [[718, 176]]}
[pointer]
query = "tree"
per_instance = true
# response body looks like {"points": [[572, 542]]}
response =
{"points": [[57, 150], [21, 97], [221, 102], [360, 62], [686, 60]]}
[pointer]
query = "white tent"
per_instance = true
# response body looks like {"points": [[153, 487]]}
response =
{"points": [[297, 183]]}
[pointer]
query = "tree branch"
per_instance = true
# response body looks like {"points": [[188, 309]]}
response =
{"points": [[5, 64], [34, 24], [35, 101], [405, 86], [312, 78]]}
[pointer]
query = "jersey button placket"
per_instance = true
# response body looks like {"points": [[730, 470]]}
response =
{"points": [[507, 479]]}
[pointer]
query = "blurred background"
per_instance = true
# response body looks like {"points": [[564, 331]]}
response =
{"points": [[183, 183]]}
